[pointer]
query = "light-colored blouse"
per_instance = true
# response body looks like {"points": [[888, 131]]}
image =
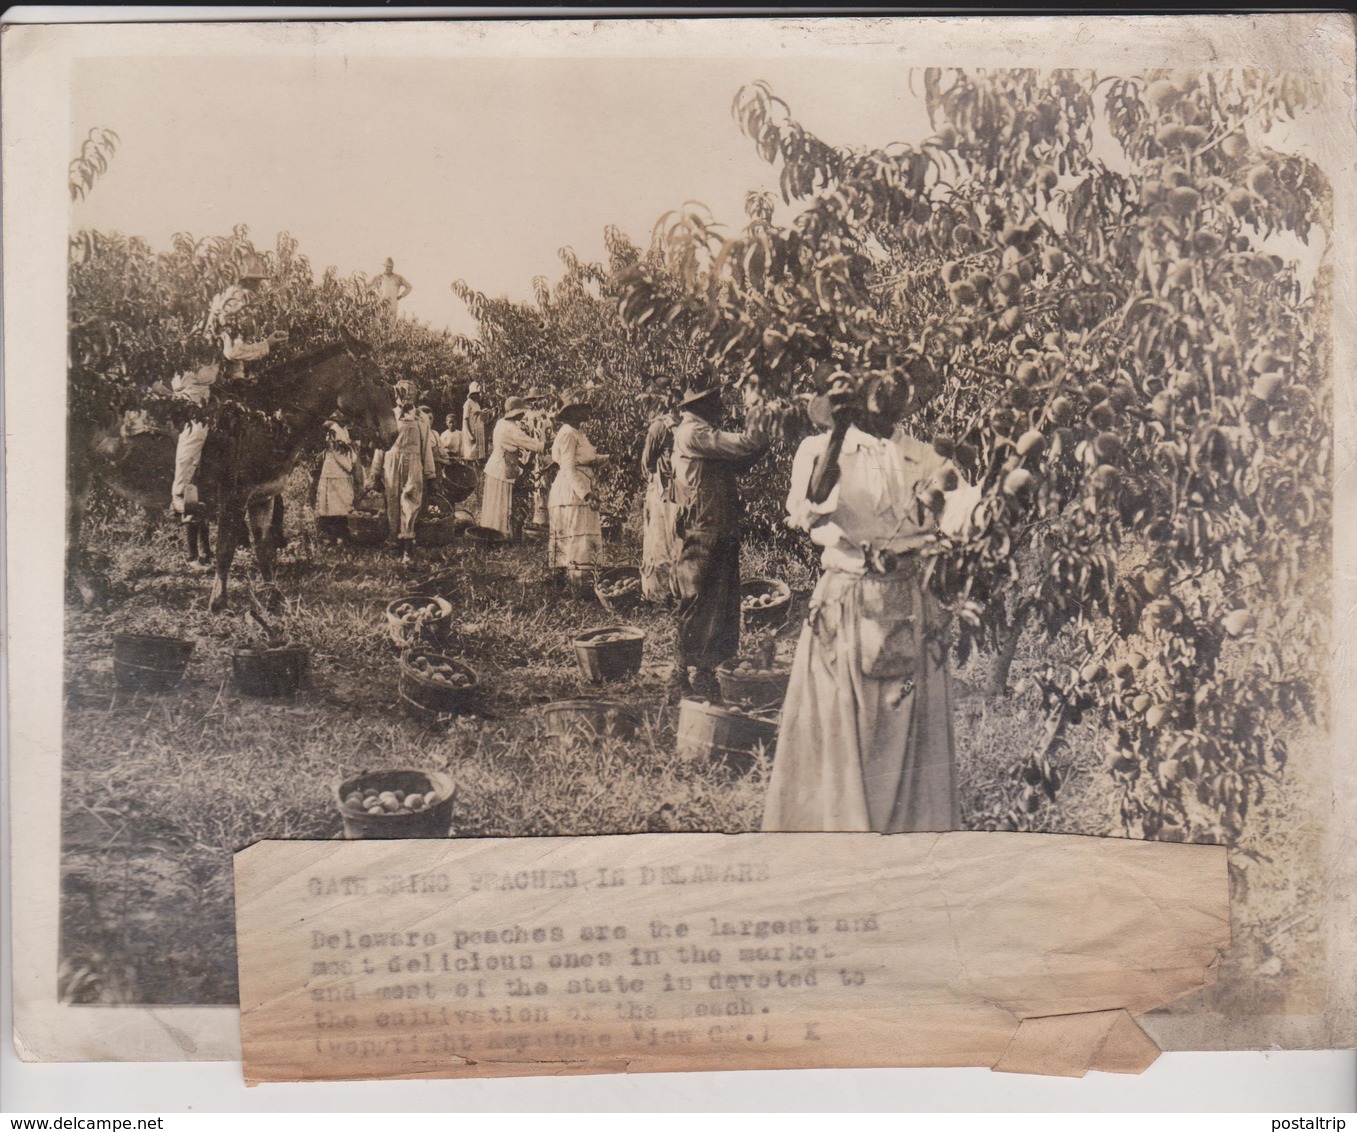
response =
{"points": [[574, 455], [508, 440], [875, 501]]}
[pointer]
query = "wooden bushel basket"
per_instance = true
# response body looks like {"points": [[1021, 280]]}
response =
{"points": [[711, 733], [435, 821], [421, 689], [624, 602], [435, 627], [270, 672], [600, 660], [440, 528], [459, 481], [586, 720], [149, 663], [752, 689], [366, 529], [775, 611]]}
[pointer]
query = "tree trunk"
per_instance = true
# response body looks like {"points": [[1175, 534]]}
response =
{"points": [[1003, 659]]}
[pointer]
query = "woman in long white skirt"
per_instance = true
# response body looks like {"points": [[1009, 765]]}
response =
{"points": [[660, 544], [865, 741], [572, 508], [510, 444]]}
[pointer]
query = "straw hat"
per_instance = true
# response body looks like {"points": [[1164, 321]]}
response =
{"points": [[474, 387], [514, 407], [696, 396], [574, 407]]}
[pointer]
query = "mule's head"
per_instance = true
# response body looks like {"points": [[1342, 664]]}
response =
{"points": [[355, 346], [365, 398]]}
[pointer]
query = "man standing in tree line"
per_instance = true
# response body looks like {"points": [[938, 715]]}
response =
{"points": [[231, 329], [391, 289], [706, 463]]}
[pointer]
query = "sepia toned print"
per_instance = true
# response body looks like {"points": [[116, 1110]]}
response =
{"points": [[881, 448]]}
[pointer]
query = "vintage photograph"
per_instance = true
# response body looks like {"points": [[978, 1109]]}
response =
{"points": [[524, 446]]}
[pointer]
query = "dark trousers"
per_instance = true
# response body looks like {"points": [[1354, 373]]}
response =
{"points": [[520, 506], [708, 580]]}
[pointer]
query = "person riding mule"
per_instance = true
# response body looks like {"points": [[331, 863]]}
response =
{"points": [[246, 459], [230, 328]]}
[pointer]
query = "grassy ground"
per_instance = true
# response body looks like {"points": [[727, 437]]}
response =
{"points": [[160, 789]]}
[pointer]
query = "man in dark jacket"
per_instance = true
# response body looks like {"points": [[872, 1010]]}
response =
{"points": [[706, 463]]}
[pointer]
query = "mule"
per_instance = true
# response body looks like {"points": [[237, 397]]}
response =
{"points": [[244, 465]]}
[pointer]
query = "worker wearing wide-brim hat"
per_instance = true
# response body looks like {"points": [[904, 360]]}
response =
{"points": [[230, 338], [706, 463], [510, 446], [406, 467], [576, 525]]}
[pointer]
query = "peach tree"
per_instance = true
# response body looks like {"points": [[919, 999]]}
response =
{"points": [[1094, 286], [136, 317], [570, 337]]}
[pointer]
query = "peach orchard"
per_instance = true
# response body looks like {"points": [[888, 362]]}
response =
{"points": [[1093, 286], [1078, 276]]}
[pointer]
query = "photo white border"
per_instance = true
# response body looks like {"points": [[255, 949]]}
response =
{"points": [[35, 97]]}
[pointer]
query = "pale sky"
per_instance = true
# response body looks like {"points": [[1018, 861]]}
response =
{"points": [[469, 169]]}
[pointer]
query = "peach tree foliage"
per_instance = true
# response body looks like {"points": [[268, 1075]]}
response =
{"points": [[91, 162], [136, 318], [1091, 285], [571, 338]]}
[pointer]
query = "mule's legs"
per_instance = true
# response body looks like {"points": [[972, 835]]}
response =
{"points": [[230, 533], [276, 535], [261, 517], [199, 548]]}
